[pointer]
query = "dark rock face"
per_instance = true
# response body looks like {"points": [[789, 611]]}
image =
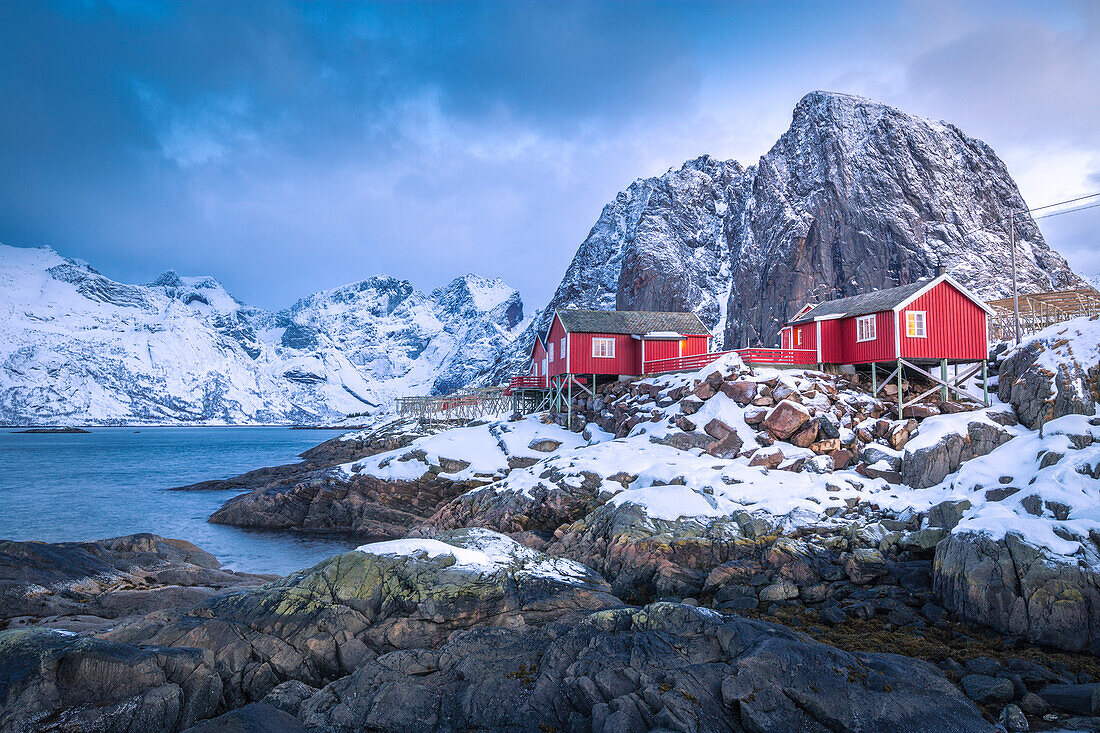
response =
{"points": [[256, 717], [81, 585], [321, 501], [1039, 394], [79, 683], [320, 624], [1017, 588], [929, 466], [855, 196], [663, 666]]}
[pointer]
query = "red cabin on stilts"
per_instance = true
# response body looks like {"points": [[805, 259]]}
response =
{"points": [[925, 323]]}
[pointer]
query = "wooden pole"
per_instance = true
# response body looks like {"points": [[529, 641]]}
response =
{"points": [[569, 403], [943, 376], [985, 382], [901, 393], [874, 379], [1015, 296]]}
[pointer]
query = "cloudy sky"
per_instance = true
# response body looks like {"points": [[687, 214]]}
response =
{"points": [[288, 148]]}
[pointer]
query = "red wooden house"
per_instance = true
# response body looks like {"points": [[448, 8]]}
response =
{"points": [[583, 347], [932, 319], [935, 321], [617, 343]]}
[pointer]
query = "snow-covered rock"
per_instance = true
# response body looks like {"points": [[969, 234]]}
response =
{"points": [[1054, 372], [856, 195], [76, 346]]}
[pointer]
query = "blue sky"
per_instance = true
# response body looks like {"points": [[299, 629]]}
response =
{"points": [[288, 148]]}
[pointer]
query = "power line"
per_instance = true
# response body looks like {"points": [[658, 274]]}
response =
{"points": [[1062, 203], [1067, 211]]}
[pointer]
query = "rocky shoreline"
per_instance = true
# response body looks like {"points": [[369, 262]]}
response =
{"points": [[735, 550]]}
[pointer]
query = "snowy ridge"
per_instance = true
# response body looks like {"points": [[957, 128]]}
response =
{"points": [[78, 347]]}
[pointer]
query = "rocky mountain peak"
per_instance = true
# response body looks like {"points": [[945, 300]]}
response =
{"points": [[856, 195]]}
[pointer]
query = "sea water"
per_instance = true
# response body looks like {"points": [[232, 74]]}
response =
{"points": [[115, 481]]}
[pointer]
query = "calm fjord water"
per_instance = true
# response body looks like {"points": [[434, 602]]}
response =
{"points": [[114, 481]]}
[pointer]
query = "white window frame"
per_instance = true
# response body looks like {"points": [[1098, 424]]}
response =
{"points": [[563, 346], [550, 351], [866, 328], [603, 348], [911, 322]]}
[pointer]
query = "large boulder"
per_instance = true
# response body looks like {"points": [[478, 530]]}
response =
{"points": [[1054, 373], [52, 680], [665, 666], [1018, 588], [944, 444], [786, 419], [328, 500], [322, 623], [82, 585]]}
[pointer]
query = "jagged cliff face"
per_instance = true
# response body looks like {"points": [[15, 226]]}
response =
{"points": [[855, 196], [78, 347]]}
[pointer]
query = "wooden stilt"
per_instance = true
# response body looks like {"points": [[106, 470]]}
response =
{"points": [[901, 393], [874, 378], [569, 404], [985, 382], [943, 376]]}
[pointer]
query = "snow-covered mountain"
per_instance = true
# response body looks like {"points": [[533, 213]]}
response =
{"points": [[78, 347], [1092, 280], [854, 196]]}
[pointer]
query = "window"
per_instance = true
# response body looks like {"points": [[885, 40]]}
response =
{"points": [[798, 337], [550, 353], [865, 328], [536, 368], [914, 325], [563, 347], [603, 348]]}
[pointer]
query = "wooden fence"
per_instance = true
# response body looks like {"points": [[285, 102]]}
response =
{"points": [[458, 407], [1039, 310]]}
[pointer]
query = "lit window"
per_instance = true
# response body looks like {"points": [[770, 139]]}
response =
{"points": [[865, 328], [603, 348], [914, 325], [550, 353]]}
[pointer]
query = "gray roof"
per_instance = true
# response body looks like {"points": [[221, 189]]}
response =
{"points": [[631, 322], [862, 304]]}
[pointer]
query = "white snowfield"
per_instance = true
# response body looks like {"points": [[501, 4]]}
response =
{"points": [[483, 551], [77, 347]]}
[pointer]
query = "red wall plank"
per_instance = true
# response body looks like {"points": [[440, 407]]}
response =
{"points": [[954, 324]]}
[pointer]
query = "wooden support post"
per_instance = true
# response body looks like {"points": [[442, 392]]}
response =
{"points": [[901, 393], [943, 376], [985, 382], [569, 403], [874, 378]]}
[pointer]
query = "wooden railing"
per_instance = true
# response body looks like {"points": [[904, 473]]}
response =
{"points": [[526, 381], [778, 356], [681, 363], [749, 356]]}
